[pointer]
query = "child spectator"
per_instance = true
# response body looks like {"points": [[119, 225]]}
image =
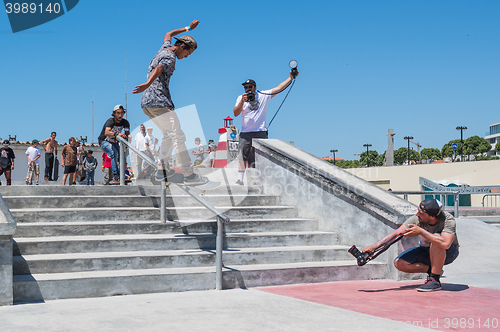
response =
{"points": [[106, 168], [89, 165], [200, 151]]}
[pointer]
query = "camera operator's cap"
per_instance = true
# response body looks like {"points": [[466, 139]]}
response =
{"points": [[188, 40], [6, 142], [433, 207], [249, 81], [34, 141], [90, 151], [118, 107]]}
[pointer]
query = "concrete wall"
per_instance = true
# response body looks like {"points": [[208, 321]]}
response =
{"points": [[360, 212], [476, 173], [7, 230]]}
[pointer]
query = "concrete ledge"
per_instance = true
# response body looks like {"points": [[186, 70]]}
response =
{"points": [[360, 212], [7, 230]]}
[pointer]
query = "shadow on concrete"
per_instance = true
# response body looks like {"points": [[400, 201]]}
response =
{"points": [[444, 287]]}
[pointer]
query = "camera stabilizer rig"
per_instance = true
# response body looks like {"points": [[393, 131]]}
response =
{"points": [[293, 65], [365, 257]]}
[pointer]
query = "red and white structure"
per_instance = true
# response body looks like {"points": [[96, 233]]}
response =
{"points": [[227, 147]]}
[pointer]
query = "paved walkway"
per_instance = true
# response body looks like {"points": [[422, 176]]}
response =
{"points": [[469, 301]]}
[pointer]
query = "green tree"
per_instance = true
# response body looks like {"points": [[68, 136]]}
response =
{"points": [[430, 153], [497, 147], [447, 150], [372, 158], [476, 145], [347, 163], [401, 155]]}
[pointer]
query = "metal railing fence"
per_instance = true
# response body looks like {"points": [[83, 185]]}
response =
{"points": [[221, 218]]}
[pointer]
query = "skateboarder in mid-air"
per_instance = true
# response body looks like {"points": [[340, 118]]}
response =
{"points": [[157, 104]]}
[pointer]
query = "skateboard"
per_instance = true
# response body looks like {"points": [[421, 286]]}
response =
{"points": [[178, 179], [29, 175], [365, 257], [210, 185], [56, 169]]}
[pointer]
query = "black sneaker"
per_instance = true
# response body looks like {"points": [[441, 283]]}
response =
{"points": [[165, 175], [239, 182], [196, 180], [430, 285]]}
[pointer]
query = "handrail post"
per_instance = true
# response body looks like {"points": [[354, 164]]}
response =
{"points": [[163, 208], [122, 164], [218, 253]]}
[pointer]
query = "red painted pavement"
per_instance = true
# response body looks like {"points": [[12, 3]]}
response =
{"points": [[454, 307]]}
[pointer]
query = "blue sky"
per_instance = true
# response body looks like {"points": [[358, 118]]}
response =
{"points": [[420, 67]]}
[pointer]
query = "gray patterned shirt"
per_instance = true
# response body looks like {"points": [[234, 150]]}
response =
{"points": [[158, 94]]}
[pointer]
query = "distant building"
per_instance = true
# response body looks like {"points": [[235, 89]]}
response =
{"points": [[493, 137]]}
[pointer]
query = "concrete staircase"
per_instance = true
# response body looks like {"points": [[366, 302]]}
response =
{"points": [[76, 242]]}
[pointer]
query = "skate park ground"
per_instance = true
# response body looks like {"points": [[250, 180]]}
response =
{"points": [[469, 300]]}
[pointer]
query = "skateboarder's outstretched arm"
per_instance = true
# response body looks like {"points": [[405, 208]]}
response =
{"points": [[175, 32]]}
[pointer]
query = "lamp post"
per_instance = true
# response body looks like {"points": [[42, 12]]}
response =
{"points": [[408, 138], [333, 152], [462, 128], [367, 158]]}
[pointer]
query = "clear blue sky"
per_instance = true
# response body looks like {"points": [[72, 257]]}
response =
{"points": [[419, 67]]}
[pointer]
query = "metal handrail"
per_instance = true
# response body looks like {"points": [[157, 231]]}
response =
{"points": [[422, 192], [220, 216], [487, 195]]}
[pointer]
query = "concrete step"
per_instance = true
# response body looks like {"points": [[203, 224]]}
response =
{"points": [[74, 228], [98, 261], [149, 213], [43, 287], [139, 190], [53, 201], [117, 243]]}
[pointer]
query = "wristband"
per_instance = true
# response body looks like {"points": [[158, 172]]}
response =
{"points": [[187, 28]]}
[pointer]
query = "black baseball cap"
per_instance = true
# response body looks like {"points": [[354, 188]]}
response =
{"points": [[249, 81], [433, 208]]}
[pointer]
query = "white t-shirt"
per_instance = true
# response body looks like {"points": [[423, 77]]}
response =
{"points": [[140, 141], [33, 153], [150, 141], [255, 120], [200, 149]]}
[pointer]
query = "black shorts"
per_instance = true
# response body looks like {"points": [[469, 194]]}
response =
{"points": [[69, 169], [421, 255], [245, 151]]}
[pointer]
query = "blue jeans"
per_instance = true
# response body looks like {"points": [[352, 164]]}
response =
{"points": [[113, 152], [90, 177]]}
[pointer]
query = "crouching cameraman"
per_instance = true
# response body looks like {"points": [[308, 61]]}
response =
{"points": [[438, 243]]}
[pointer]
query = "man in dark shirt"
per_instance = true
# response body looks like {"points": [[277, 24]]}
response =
{"points": [[107, 139], [6, 161]]}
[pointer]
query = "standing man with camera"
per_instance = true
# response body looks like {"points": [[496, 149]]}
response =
{"points": [[107, 139], [252, 105], [436, 230], [157, 103]]}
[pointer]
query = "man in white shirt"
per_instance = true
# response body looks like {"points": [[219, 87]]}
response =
{"points": [[150, 143], [252, 105], [33, 154], [140, 144]]}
